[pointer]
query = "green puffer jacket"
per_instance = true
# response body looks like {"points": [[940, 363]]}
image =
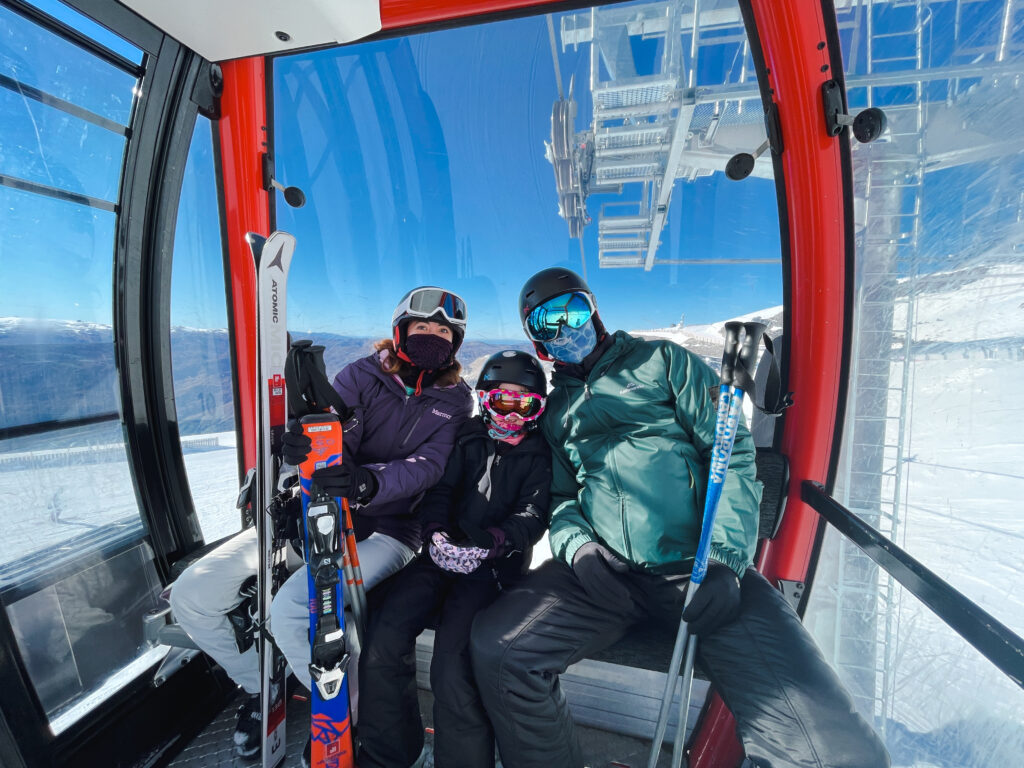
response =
{"points": [[631, 447]]}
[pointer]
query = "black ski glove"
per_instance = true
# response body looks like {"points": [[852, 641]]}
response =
{"points": [[295, 446], [491, 539], [716, 601], [597, 568], [350, 481]]}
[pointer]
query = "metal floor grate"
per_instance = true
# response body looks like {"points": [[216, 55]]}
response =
{"points": [[214, 747]]}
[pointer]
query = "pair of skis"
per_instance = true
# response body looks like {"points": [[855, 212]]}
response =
{"points": [[737, 375], [330, 721]]}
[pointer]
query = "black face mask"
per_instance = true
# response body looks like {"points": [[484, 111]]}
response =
{"points": [[428, 351]]}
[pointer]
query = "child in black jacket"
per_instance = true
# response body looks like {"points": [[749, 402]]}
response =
{"points": [[480, 523]]}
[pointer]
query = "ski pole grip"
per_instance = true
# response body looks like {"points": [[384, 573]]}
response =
{"points": [[732, 340], [751, 341]]}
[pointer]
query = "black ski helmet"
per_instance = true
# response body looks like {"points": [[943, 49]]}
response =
{"points": [[513, 367], [546, 284]]}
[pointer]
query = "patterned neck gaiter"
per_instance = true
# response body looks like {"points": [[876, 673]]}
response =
{"points": [[510, 436], [573, 344]]}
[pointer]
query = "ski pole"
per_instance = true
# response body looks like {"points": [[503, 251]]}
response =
{"points": [[732, 330], [357, 571], [720, 456], [353, 574]]}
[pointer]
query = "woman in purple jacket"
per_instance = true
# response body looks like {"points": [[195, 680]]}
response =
{"points": [[409, 403]]}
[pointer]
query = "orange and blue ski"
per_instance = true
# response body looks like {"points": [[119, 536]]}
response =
{"points": [[330, 721]]}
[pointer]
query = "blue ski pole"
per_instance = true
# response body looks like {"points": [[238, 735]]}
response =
{"points": [[730, 404]]}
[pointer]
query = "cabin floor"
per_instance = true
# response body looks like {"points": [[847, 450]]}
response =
{"points": [[213, 747]]}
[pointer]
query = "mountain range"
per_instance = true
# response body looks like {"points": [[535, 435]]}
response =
{"points": [[59, 370]]}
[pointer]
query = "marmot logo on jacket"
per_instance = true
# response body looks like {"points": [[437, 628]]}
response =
{"points": [[438, 413], [631, 387]]}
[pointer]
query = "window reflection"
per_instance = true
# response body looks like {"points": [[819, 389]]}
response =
{"points": [[946, 705], [931, 453], [420, 169], [65, 71], [200, 353], [76, 577], [75, 634], [47, 146], [90, 28], [56, 340]]}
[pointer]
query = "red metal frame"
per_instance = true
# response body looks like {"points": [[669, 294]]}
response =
{"points": [[793, 38], [790, 33], [243, 137]]}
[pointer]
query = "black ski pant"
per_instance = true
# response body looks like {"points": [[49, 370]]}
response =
{"points": [[791, 710], [390, 726]]}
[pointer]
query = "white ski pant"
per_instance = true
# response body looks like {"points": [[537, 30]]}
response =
{"points": [[206, 592], [380, 556]]}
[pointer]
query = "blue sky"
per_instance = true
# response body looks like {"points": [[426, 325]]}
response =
{"points": [[422, 159]]}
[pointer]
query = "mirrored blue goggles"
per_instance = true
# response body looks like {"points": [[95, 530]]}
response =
{"points": [[545, 322]]}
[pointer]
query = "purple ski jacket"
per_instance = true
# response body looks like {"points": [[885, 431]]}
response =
{"points": [[403, 439]]}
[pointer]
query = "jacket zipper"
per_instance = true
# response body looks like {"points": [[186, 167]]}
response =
{"points": [[411, 429], [622, 509], [625, 528]]}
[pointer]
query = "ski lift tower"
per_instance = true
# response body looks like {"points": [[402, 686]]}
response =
{"points": [[655, 128]]}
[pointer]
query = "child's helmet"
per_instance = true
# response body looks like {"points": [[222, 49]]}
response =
{"points": [[513, 367], [511, 413]]}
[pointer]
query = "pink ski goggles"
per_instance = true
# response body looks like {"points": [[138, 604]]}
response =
{"points": [[501, 403]]}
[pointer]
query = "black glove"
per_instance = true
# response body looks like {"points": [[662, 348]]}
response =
{"points": [[596, 568], [492, 539], [295, 446], [716, 601], [350, 481]]}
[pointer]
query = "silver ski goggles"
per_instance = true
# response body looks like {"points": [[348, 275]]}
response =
{"points": [[545, 322], [429, 301]]}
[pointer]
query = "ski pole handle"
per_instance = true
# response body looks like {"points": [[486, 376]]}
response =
{"points": [[744, 375], [751, 341], [732, 341]]}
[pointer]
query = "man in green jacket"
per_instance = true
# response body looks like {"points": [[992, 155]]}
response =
{"points": [[631, 427]]}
